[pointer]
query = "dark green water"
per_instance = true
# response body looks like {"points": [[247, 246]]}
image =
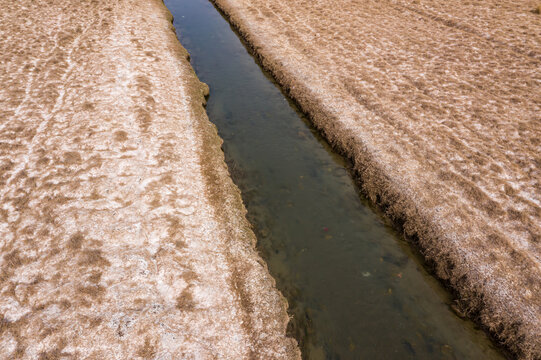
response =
{"points": [[355, 288]]}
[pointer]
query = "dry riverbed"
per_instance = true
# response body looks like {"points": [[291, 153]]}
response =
{"points": [[438, 103], [121, 233]]}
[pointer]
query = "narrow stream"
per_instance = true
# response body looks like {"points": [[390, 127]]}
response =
{"points": [[355, 288]]}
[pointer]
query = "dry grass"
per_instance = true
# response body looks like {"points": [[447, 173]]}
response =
{"points": [[93, 257], [148, 350], [76, 241], [185, 301]]}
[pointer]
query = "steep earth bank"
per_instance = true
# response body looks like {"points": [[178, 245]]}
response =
{"points": [[121, 233], [438, 104]]}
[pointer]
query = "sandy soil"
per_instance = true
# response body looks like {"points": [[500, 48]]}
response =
{"points": [[121, 233], [438, 103]]}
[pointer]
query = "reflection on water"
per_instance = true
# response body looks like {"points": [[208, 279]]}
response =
{"points": [[354, 288]]}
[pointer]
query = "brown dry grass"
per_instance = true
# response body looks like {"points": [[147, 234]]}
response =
{"points": [[148, 350], [438, 104]]}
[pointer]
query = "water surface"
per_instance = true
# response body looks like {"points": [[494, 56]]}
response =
{"points": [[355, 288]]}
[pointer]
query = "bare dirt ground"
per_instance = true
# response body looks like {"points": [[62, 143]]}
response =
{"points": [[438, 103], [121, 233]]}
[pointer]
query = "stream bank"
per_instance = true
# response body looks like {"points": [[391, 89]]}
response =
{"points": [[355, 289]]}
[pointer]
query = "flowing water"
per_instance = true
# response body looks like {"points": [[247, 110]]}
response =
{"points": [[355, 288]]}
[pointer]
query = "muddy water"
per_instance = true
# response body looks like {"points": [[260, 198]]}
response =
{"points": [[354, 287]]}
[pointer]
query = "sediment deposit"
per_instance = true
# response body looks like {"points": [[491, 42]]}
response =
{"points": [[438, 104], [121, 233]]}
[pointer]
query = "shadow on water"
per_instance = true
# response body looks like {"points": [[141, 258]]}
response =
{"points": [[355, 288]]}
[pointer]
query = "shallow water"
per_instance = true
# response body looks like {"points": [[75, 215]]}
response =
{"points": [[355, 288]]}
